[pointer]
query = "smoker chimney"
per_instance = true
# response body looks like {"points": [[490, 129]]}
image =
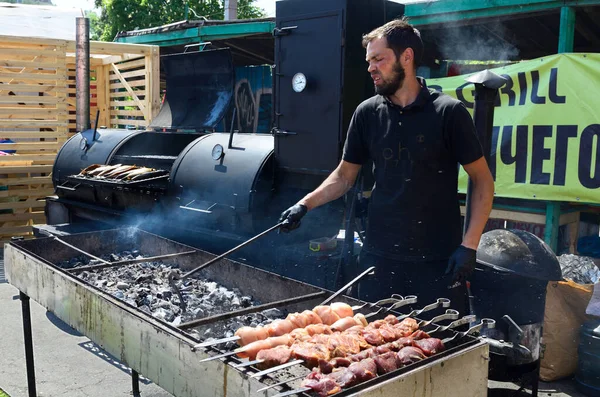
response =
{"points": [[82, 74], [487, 84], [231, 7]]}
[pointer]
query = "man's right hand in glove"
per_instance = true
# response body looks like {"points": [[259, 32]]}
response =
{"points": [[291, 217]]}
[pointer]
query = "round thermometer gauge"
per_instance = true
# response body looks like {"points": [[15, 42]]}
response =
{"points": [[217, 152], [83, 143], [299, 82]]}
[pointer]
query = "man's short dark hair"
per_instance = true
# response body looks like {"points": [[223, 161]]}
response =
{"points": [[400, 35]]}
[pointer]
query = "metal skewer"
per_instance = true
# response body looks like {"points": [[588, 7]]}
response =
{"points": [[465, 320], [485, 322], [441, 302], [408, 300], [282, 366], [345, 287], [450, 314]]}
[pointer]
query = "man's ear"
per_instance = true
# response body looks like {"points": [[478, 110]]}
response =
{"points": [[407, 57]]}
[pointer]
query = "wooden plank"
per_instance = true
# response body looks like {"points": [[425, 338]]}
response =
{"points": [[132, 64], [153, 83], [9, 52], [135, 83], [40, 158], [30, 146], [7, 123], [32, 41], [109, 48], [34, 63], [30, 203], [27, 114], [122, 103], [33, 169], [30, 134], [7, 76], [120, 112], [27, 192], [33, 216], [114, 121], [140, 93], [103, 95], [135, 73], [128, 88], [119, 58], [30, 99], [50, 88]]}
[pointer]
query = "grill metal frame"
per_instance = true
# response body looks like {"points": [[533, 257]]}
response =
{"points": [[164, 353]]}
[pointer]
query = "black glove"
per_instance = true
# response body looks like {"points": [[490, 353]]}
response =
{"points": [[462, 263], [291, 217]]}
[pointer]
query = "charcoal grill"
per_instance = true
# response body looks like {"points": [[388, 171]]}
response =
{"points": [[165, 353]]}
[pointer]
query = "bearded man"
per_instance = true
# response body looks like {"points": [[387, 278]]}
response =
{"points": [[416, 138]]}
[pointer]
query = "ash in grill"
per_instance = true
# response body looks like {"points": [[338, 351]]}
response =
{"points": [[145, 286]]}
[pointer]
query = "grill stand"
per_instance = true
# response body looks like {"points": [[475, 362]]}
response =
{"points": [[172, 363], [29, 360], [28, 337]]}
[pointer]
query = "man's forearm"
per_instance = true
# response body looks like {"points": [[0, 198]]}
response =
{"points": [[334, 187], [481, 206]]}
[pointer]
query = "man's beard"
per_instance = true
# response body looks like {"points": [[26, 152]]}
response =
{"points": [[389, 87]]}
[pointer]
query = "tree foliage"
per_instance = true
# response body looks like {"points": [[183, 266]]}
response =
{"points": [[124, 15]]}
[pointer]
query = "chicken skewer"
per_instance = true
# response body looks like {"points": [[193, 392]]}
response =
{"points": [[374, 340], [373, 336], [334, 388], [251, 350], [397, 302], [449, 315]]}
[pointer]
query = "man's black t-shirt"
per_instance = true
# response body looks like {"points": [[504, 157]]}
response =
{"points": [[413, 212]]}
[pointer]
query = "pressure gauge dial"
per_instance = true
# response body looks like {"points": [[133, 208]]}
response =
{"points": [[217, 152], [299, 82], [83, 144]]}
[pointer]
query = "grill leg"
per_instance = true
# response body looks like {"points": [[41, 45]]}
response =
{"points": [[135, 383], [535, 379], [28, 338]]}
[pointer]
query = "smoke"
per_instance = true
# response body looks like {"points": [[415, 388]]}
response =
{"points": [[486, 42]]}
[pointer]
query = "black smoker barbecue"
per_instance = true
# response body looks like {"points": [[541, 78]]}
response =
{"points": [[170, 355]]}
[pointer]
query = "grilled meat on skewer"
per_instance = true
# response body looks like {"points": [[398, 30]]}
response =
{"points": [[343, 376], [320, 314]]}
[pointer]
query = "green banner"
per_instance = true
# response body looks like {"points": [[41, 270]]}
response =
{"points": [[546, 136]]}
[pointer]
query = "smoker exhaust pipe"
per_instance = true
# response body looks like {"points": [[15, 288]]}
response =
{"points": [[82, 74], [487, 84]]}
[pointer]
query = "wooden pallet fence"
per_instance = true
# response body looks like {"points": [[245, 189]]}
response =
{"points": [[37, 112]]}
